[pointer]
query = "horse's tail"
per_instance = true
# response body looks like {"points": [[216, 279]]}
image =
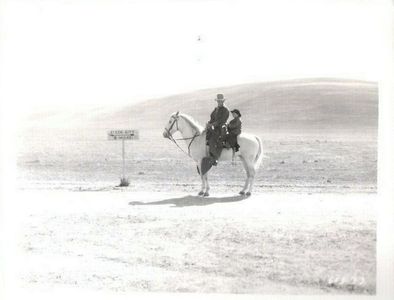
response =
{"points": [[259, 155]]}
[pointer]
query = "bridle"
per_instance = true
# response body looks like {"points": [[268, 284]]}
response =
{"points": [[171, 138]]}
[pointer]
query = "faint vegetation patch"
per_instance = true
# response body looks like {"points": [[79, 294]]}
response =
{"points": [[124, 181]]}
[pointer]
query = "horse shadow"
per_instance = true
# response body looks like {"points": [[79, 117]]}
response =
{"points": [[191, 200]]}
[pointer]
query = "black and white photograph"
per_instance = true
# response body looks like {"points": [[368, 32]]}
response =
{"points": [[196, 149]]}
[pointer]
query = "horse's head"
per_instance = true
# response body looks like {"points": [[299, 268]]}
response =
{"points": [[172, 125]]}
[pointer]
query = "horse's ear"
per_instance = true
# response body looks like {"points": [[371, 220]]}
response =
{"points": [[177, 113]]}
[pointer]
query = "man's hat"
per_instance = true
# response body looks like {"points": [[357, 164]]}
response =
{"points": [[236, 111], [220, 97]]}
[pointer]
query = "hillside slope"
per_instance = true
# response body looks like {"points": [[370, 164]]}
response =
{"points": [[317, 106], [320, 105]]}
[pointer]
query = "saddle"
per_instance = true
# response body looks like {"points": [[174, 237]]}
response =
{"points": [[227, 145], [224, 138], [209, 161]]}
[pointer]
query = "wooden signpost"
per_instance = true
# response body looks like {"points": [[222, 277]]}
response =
{"points": [[123, 134]]}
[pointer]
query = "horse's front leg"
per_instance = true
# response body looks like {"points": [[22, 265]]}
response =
{"points": [[202, 191], [205, 178], [204, 182], [204, 186]]}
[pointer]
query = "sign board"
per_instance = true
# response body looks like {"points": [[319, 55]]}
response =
{"points": [[120, 134], [122, 137], [123, 134]]}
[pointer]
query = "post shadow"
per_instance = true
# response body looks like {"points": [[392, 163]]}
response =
{"points": [[191, 200]]}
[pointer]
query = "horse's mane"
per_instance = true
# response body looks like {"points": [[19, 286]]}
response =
{"points": [[193, 123]]}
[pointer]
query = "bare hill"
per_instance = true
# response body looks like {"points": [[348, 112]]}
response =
{"points": [[319, 105], [312, 106]]}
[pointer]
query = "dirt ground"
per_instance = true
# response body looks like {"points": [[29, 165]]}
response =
{"points": [[309, 227], [120, 240], [303, 164]]}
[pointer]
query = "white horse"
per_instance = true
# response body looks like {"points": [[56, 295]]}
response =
{"points": [[194, 135]]}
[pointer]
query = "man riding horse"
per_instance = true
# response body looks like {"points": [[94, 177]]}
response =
{"points": [[216, 129]]}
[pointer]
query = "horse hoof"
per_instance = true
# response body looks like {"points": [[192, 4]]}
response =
{"points": [[248, 194], [206, 194], [242, 193], [201, 193]]}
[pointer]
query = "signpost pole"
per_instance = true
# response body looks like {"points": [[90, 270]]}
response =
{"points": [[123, 168], [123, 134]]}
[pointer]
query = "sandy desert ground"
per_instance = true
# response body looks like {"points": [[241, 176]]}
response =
{"points": [[301, 163], [125, 241]]}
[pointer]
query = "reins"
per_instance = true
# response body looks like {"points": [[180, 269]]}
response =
{"points": [[171, 138]]}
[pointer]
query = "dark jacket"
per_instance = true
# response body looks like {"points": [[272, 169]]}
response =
{"points": [[219, 116], [234, 127]]}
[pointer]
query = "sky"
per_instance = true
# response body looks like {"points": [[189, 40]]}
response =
{"points": [[84, 52]]}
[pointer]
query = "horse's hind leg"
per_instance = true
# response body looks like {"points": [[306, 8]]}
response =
{"points": [[242, 192], [252, 173]]}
